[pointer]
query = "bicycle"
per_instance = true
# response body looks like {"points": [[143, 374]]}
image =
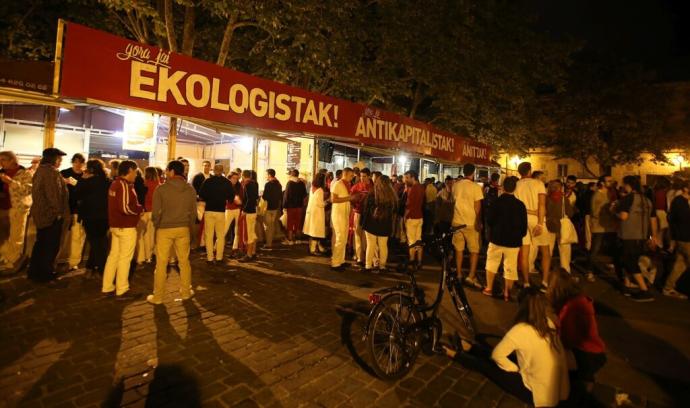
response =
{"points": [[401, 323]]}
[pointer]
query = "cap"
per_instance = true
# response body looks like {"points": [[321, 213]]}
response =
{"points": [[52, 151]]}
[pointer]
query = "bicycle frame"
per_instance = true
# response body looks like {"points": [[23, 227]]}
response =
{"points": [[429, 312]]}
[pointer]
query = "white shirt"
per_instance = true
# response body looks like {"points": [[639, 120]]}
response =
{"points": [[527, 190], [340, 210], [466, 193], [544, 370]]}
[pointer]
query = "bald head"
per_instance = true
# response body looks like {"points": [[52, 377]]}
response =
{"points": [[218, 169]]}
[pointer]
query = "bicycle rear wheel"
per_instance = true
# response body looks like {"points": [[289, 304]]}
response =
{"points": [[392, 348]]}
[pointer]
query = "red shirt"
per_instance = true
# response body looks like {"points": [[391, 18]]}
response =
{"points": [[123, 206], [578, 326], [415, 202], [151, 186], [660, 199], [363, 189], [231, 203]]}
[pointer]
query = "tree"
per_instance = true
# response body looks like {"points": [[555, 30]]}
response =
{"points": [[610, 112]]}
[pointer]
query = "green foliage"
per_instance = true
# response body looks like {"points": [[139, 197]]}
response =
{"points": [[611, 112]]}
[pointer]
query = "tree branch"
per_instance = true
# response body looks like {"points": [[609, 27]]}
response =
{"points": [[188, 32], [224, 49], [170, 25]]}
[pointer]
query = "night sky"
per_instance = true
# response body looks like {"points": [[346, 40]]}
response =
{"points": [[654, 33]]}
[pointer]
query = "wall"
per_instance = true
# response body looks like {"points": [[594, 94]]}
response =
{"points": [[27, 141], [547, 163]]}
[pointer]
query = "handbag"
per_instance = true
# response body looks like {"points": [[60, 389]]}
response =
{"points": [[568, 235]]}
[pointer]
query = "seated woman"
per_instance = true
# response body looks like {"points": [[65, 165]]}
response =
{"points": [[578, 329], [541, 373]]}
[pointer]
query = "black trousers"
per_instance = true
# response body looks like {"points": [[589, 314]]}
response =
{"points": [[628, 256], [97, 236], [46, 248]]}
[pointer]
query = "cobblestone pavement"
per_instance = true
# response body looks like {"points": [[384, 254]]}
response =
{"points": [[283, 332]]}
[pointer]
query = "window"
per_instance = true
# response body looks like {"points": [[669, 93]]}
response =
{"points": [[562, 170]]}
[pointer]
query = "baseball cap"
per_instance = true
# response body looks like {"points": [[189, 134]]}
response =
{"points": [[52, 151]]}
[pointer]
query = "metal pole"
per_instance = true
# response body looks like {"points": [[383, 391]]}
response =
{"points": [[255, 152], [315, 157], [358, 155], [87, 141]]}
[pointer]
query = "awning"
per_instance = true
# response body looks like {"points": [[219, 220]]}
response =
{"points": [[11, 95]]}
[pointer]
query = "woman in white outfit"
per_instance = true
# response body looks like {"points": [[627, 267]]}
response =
{"points": [[315, 218]]}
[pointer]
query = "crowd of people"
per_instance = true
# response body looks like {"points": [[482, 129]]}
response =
{"points": [[123, 214], [128, 217]]}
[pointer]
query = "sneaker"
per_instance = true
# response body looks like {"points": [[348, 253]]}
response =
{"points": [[211, 263], [191, 295], [128, 296], [642, 296], [339, 268], [247, 258], [675, 294], [626, 291], [153, 300]]}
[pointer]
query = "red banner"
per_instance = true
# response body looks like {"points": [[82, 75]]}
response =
{"points": [[104, 67]]}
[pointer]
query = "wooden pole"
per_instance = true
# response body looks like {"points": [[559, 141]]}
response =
{"points": [[49, 129], [172, 139]]}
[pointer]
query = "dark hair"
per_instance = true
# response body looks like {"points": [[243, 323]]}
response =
{"points": [[509, 184], [151, 173], [114, 164], [319, 180], [338, 173], [177, 167], [535, 310], [411, 173], [246, 174], [78, 157], [537, 174], [468, 169], [449, 178], [571, 178], [271, 172], [365, 171], [376, 173], [160, 172], [662, 183], [96, 167], [562, 288], [495, 176], [294, 173], [633, 182], [330, 175], [206, 161], [347, 170], [524, 168], [125, 167], [324, 171]]}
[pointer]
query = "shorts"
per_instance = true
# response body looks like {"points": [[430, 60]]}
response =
{"points": [[467, 237], [413, 230], [251, 228], [294, 219], [510, 260], [542, 239]]}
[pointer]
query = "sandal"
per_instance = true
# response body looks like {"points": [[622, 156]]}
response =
{"points": [[473, 282], [488, 292]]}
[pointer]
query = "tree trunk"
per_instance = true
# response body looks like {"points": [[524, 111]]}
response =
{"points": [[170, 25], [416, 100], [189, 31]]}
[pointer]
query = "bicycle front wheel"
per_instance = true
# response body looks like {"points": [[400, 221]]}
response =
{"points": [[462, 307], [392, 342]]}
